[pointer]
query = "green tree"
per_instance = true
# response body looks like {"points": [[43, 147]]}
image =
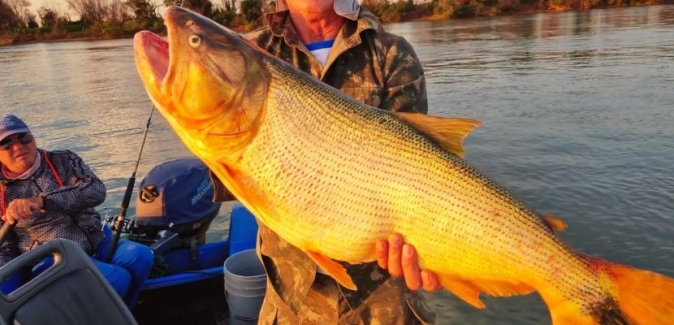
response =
{"points": [[442, 9], [48, 17], [88, 10], [8, 18], [204, 7], [252, 10], [31, 21], [142, 9], [20, 9], [226, 17]]}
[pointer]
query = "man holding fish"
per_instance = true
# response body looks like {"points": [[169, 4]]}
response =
{"points": [[344, 45], [331, 176]]}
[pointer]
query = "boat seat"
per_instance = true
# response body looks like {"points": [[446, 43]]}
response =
{"points": [[72, 291]]}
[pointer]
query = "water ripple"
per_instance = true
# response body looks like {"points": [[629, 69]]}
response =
{"points": [[577, 112]]}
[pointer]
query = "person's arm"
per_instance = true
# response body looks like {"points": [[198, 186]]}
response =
{"points": [[82, 188], [405, 88]]}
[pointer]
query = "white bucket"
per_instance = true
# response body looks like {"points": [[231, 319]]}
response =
{"points": [[245, 284]]}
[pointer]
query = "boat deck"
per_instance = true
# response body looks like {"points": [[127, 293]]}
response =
{"points": [[198, 303]]}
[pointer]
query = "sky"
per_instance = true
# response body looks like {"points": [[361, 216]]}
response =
{"points": [[58, 4], [63, 6]]}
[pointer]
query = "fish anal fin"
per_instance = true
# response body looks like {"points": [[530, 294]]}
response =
{"points": [[469, 290], [449, 132], [503, 288], [555, 223], [462, 289], [334, 269]]}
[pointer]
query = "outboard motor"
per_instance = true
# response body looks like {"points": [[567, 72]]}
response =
{"points": [[174, 205]]}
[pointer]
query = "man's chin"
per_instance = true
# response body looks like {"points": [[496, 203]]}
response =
{"points": [[24, 161]]}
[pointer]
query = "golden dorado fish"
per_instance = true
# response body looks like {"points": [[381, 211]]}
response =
{"points": [[332, 176]]}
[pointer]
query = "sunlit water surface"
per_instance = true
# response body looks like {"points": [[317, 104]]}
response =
{"points": [[577, 110]]}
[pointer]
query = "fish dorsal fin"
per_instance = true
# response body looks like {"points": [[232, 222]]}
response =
{"points": [[555, 223], [448, 131]]}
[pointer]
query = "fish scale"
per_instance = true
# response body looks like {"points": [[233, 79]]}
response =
{"points": [[353, 191], [332, 176]]}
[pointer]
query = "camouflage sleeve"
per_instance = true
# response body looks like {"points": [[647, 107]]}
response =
{"points": [[82, 189], [405, 81]]}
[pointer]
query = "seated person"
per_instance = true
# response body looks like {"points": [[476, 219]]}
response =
{"points": [[52, 194]]}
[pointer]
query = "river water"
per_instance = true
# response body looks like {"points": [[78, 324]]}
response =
{"points": [[578, 113]]}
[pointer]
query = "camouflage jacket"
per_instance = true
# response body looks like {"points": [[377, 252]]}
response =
{"points": [[68, 211], [379, 69], [365, 62]]}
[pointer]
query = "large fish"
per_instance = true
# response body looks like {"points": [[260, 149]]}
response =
{"points": [[331, 176]]}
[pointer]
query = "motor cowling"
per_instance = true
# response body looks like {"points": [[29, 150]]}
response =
{"points": [[176, 195]]}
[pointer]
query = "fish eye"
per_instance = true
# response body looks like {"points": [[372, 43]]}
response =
{"points": [[194, 40]]}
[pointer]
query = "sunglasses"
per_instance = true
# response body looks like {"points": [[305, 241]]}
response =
{"points": [[23, 138]]}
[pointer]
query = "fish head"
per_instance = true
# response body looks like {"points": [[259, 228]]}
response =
{"points": [[206, 80]]}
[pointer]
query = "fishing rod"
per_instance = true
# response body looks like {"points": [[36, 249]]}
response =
{"points": [[119, 221], [6, 229], [121, 216]]}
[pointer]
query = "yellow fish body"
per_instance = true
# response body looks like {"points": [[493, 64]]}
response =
{"points": [[331, 176]]}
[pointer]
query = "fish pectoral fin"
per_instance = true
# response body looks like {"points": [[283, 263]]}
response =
{"points": [[462, 289], [469, 290], [449, 132], [555, 223], [333, 269]]}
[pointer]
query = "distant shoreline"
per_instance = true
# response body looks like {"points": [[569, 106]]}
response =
{"points": [[57, 40], [525, 10]]}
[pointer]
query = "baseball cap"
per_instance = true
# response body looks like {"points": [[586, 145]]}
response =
{"points": [[10, 124], [346, 8]]}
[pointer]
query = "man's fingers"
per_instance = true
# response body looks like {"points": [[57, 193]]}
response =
{"points": [[382, 254], [33, 206], [430, 281], [8, 217], [24, 211], [22, 208], [410, 266], [395, 243], [14, 210], [36, 204]]}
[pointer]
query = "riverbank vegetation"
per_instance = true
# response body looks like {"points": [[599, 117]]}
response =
{"points": [[107, 19]]}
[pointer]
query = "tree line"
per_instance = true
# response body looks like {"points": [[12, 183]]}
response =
{"points": [[98, 19]]}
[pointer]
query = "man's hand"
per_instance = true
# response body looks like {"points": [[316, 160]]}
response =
{"points": [[401, 259], [22, 209]]}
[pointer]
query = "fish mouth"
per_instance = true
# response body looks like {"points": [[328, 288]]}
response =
{"points": [[152, 59], [207, 81], [164, 77], [193, 84]]}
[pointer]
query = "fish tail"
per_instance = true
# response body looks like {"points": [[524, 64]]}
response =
{"points": [[631, 297], [644, 297]]}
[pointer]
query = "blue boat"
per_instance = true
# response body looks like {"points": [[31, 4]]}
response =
{"points": [[174, 210]]}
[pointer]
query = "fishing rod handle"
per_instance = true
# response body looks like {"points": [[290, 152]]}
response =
{"points": [[6, 229]]}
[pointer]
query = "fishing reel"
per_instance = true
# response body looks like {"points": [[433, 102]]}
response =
{"points": [[127, 226]]}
